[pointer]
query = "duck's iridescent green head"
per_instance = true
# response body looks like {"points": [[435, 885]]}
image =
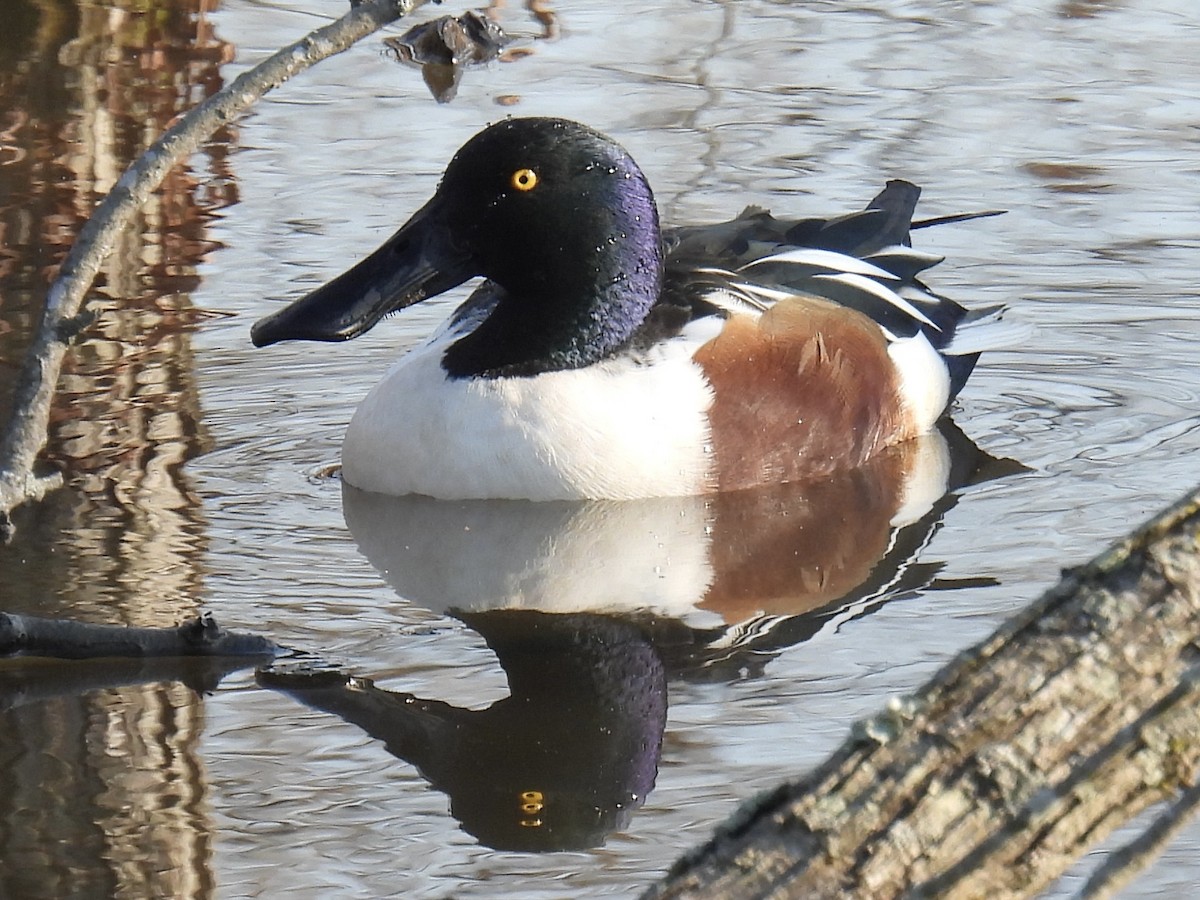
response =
{"points": [[556, 214]]}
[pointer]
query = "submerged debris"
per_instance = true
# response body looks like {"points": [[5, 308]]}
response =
{"points": [[445, 46]]}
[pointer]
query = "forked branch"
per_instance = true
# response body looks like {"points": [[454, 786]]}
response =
{"points": [[26, 432]]}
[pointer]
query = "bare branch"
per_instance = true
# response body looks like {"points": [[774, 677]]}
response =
{"points": [[26, 432], [62, 639]]}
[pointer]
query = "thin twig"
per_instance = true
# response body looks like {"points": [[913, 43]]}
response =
{"points": [[26, 432]]}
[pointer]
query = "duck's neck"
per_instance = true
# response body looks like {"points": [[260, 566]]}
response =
{"points": [[591, 293]]}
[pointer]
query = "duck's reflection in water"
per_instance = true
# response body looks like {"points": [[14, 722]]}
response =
{"points": [[559, 763], [590, 607]]}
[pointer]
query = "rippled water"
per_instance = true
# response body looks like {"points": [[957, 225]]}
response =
{"points": [[197, 461]]}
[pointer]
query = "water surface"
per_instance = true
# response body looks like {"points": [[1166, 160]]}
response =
{"points": [[196, 462]]}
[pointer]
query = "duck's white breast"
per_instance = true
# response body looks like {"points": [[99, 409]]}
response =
{"points": [[622, 429]]}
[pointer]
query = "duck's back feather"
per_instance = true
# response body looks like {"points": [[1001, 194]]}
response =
{"points": [[862, 261]]}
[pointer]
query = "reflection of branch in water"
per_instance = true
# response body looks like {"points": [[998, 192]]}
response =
{"points": [[26, 432], [101, 763], [103, 792], [36, 681], [127, 538]]}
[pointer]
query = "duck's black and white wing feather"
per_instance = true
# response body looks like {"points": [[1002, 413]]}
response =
{"points": [[863, 260]]}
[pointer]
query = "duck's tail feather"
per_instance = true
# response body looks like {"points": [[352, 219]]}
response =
{"points": [[897, 201], [956, 217]]}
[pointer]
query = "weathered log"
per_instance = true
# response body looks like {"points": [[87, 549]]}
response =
{"points": [[63, 639], [62, 316], [1075, 716]]}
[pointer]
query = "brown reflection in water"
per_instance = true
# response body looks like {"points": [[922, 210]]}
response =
{"points": [[102, 794], [87, 88], [829, 546], [1086, 9], [103, 797]]}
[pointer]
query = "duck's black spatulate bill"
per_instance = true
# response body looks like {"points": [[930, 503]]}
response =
{"points": [[417, 262]]}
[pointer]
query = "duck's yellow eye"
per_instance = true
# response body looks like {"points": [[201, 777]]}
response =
{"points": [[524, 179]]}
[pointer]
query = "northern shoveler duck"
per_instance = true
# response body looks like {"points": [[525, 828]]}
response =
{"points": [[604, 358]]}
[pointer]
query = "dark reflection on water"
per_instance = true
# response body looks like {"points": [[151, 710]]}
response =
{"points": [[561, 762], [591, 607], [101, 790]]}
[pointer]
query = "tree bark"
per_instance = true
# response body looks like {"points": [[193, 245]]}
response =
{"points": [[62, 318], [1075, 716]]}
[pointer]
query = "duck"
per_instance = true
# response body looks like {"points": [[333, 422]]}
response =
{"points": [[604, 357]]}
